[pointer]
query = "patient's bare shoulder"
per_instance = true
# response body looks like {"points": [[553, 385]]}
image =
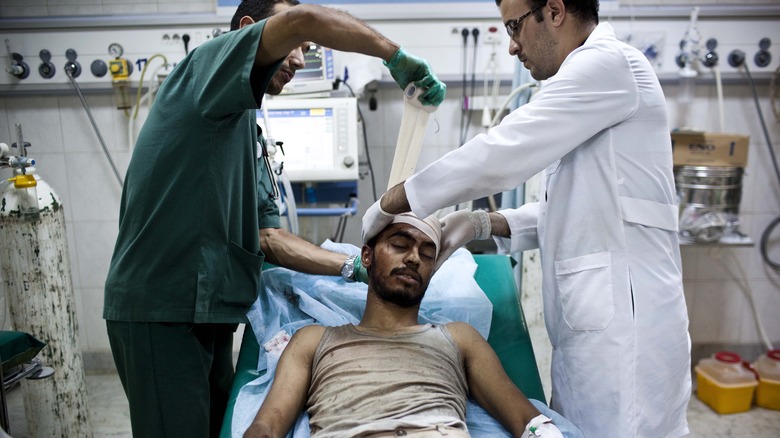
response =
{"points": [[465, 336], [306, 339], [460, 328], [313, 330]]}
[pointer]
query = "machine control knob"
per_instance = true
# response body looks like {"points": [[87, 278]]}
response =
{"points": [[98, 68], [349, 161]]}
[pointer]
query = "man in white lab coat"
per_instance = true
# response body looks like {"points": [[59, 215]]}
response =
{"points": [[606, 223]]}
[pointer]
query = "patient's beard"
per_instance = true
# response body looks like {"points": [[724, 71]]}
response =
{"points": [[402, 297]]}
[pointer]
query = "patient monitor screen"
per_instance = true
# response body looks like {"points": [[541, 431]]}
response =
{"points": [[319, 137]]}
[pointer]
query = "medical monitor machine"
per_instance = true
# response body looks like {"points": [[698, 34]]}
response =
{"points": [[316, 76], [319, 137], [319, 134]]}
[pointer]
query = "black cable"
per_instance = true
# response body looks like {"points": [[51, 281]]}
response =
{"points": [[464, 100], [465, 132], [365, 142], [765, 243]]}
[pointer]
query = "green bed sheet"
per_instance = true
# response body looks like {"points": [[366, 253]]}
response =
{"points": [[508, 335]]}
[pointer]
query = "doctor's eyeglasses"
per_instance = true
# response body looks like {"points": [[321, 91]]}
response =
{"points": [[514, 26]]}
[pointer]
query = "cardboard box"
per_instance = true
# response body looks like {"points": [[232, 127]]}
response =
{"points": [[708, 149]]}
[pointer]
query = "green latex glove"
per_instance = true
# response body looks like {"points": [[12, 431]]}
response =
{"points": [[405, 68], [361, 273]]}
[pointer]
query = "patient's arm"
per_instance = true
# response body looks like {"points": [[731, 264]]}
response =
{"points": [[488, 383], [287, 396]]}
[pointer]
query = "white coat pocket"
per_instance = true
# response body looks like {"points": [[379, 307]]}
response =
{"points": [[585, 285]]}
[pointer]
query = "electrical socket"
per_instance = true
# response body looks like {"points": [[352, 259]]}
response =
{"points": [[491, 35]]}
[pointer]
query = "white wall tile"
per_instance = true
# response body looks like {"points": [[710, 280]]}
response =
{"points": [[94, 247], [22, 11], [690, 259], [129, 8], [5, 131], [40, 119], [768, 302], [721, 312], [374, 121], [715, 310], [92, 320], [72, 2], [74, 10], [174, 7], [760, 185], [95, 192], [77, 130], [25, 2]]}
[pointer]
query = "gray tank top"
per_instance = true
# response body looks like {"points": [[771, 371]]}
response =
{"points": [[363, 383]]}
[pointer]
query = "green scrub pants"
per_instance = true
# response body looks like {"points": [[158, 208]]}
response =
{"points": [[176, 376]]}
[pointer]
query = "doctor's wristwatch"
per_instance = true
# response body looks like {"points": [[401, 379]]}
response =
{"points": [[349, 270], [353, 270]]}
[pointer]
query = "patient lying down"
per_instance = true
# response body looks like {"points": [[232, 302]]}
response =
{"points": [[389, 375]]}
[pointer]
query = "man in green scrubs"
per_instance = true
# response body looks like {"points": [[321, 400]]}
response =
{"points": [[198, 217]]}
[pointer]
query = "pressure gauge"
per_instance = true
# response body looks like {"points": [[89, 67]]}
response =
{"points": [[116, 50]]}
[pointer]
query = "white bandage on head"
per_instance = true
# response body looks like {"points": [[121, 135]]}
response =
{"points": [[430, 226], [414, 122]]}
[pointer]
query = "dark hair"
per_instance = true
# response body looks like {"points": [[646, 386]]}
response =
{"points": [[257, 9], [586, 10]]}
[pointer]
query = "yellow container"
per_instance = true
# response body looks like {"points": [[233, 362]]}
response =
{"points": [[768, 394], [768, 368], [725, 384]]}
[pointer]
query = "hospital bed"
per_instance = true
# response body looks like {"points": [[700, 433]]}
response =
{"points": [[508, 335]]}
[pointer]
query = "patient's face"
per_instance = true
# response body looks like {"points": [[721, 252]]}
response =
{"points": [[401, 265]]}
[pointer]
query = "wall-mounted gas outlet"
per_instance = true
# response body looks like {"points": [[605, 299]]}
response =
{"points": [[763, 57]]}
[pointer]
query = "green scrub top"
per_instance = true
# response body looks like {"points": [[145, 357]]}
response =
{"points": [[196, 194]]}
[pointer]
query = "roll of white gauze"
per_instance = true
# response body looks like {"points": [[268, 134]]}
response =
{"points": [[410, 136]]}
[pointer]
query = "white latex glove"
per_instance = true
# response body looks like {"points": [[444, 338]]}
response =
{"points": [[375, 220], [541, 426], [459, 228]]}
